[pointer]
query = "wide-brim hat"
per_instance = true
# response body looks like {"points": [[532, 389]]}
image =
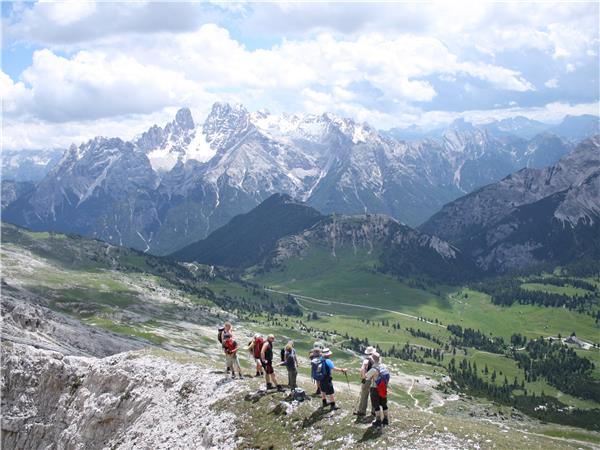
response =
{"points": [[369, 350], [327, 352]]}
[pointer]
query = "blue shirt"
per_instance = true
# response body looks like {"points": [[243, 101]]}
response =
{"points": [[329, 364]]}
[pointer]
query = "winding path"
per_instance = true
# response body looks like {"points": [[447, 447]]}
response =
{"points": [[373, 308]]}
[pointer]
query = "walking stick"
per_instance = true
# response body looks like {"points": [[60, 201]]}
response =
{"points": [[347, 381]]}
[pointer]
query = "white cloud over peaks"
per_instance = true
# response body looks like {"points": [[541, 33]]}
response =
{"points": [[91, 85], [143, 75]]}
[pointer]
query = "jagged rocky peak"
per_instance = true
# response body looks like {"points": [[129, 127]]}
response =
{"points": [[184, 119], [461, 124], [224, 122]]}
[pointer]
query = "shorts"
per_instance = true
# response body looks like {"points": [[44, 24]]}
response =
{"points": [[327, 386], [233, 362], [268, 366], [377, 401]]}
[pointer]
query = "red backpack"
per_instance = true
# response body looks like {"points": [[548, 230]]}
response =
{"points": [[229, 344], [258, 345]]}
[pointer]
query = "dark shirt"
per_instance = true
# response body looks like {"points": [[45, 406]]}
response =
{"points": [[290, 360], [269, 352]]}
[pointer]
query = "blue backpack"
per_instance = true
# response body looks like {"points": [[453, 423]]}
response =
{"points": [[318, 369], [382, 381]]}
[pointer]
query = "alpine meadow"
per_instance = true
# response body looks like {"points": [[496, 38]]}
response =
{"points": [[300, 225]]}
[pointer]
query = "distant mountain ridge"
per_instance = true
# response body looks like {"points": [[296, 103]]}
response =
{"points": [[281, 229], [571, 128], [174, 185], [250, 238], [531, 217]]}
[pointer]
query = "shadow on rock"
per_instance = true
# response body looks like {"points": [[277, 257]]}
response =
{"points": [[370, 434], [316, 416]]}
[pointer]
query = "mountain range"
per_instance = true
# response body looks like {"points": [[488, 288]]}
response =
{"points": [[530, 218], [571, 128], [282, 229], [533, 216], [174, 185]]}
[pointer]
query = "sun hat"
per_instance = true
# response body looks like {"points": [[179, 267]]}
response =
{"points": [[369, 350], [327, 352]]}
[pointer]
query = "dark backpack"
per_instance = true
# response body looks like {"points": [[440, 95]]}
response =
{"points": [[220, 335], [299, 395], [282, 354], [319, 370], [382, 381]]}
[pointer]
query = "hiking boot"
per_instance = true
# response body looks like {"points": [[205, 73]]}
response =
{"points": [[270, 386], [334, 407], [359, 414], [280, 388], [385, 421], [324, 403], [257, 374], [376, 423], [373, 414]]}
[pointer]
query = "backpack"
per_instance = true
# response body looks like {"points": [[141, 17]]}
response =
{"points": [[258, 345], [299, 395], [282, 354], [382, 381], [229, 344], [220, 335], [319, 370]]}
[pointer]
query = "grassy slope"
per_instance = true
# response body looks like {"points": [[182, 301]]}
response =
{"points": [[349, 278], [106, 294]]}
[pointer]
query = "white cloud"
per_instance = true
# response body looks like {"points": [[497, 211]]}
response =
{"points": [[108, 61], [73, 22], [92, 85], [143, 76]]}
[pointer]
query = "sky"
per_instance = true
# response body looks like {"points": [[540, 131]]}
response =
{"points": [[72, 70]]}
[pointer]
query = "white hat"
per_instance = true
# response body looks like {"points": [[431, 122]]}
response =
{"points": [[318, 345], [369, 350], [257, 335], [327, 352]]}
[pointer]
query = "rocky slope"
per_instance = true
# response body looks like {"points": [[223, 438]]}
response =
{"points": [[396, 248], [533, 216], [129, 400], [175, 184], [12, 190], [281, 228], [28, 165]]}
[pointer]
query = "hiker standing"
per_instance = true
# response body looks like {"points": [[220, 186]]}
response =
{"points": [[291, 363], [266, 357], [255, 347], [378, 378], [365, 387], [231, 356], [326, 380], [224, 332], [315, 355]]}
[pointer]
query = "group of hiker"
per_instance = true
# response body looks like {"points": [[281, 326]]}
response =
{"points": [[373, 373]]}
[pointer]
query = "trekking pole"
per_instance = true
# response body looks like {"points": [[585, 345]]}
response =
{"points": [[347, 381]]}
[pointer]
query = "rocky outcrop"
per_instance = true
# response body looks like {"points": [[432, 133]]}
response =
{"points": [[125, 401], [26, 321]]}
